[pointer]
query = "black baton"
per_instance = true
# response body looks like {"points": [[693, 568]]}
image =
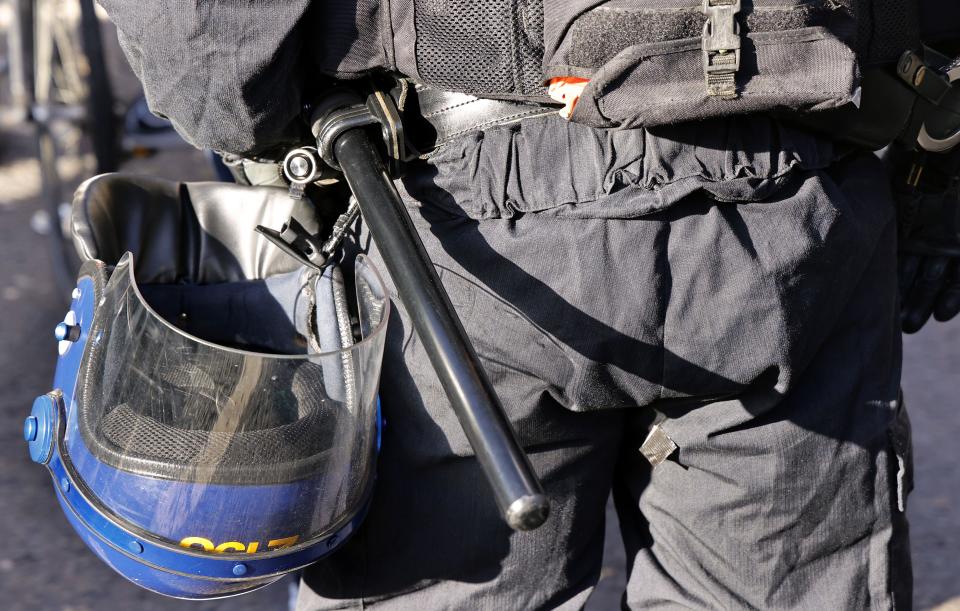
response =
{"points": [[518, 492]]}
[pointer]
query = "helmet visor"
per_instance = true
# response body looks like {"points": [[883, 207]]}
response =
{"points": [[201, 443]]}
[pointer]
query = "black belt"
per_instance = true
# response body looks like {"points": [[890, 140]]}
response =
{"points": [[433, 117], [430, 117]]}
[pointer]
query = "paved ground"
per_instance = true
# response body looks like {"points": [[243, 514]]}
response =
{"points": [[44, 566]]}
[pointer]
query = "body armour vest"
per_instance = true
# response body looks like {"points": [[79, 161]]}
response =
{"points": [[235, 76], [646, 62]]}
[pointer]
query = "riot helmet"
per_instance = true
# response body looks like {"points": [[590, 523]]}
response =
{"points": [[215, 422]]}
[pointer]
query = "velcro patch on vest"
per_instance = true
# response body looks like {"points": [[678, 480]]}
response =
{"points": [[603, 32]]}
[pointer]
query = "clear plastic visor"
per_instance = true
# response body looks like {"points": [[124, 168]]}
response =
{"points": [[171, 431]]}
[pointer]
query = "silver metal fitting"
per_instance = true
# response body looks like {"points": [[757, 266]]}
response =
{"points": [[301, 167]]}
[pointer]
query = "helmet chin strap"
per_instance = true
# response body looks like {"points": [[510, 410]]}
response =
{"points": [[331, 331]]}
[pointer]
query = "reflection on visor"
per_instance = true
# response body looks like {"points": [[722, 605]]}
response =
{"points": [[158, 405]]}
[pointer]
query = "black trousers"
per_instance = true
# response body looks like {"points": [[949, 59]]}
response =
{"points": [[735, 277]]}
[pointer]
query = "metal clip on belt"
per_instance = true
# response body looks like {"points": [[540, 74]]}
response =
{"points": [[721, 47]]}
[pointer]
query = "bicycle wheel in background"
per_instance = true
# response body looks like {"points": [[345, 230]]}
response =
{"points": [[72, 109]]}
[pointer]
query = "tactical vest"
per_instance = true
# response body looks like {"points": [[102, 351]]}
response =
{"points": [[648, 62]]}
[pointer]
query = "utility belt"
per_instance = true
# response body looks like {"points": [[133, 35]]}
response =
{"points": [[915, 104], [416, 120]]}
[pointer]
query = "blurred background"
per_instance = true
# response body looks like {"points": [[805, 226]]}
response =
{"points": [[71, 108]]}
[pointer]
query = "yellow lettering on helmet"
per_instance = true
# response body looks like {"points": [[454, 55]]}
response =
{"points": [[280, 543], [205, 544], [202, 543], [230, 546]]}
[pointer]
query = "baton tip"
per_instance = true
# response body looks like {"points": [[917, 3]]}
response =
{"points": [[528, 512]]}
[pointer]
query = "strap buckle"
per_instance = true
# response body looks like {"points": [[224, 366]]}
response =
{"points": [[721, 47], [298, 241]]}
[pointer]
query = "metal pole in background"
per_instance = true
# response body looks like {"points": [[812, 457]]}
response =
{"points": [[20, 56]]}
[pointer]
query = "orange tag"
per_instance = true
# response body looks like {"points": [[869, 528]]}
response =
{"points": [[567, 90]]}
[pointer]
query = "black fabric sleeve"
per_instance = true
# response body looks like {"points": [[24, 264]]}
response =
{"points": [[227, 73], [940, 22]]}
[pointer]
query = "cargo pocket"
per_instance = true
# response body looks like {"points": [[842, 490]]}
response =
{"points": [[646, 65], [520, 358]]}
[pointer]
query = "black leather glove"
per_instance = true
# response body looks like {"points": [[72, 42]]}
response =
{"points": [[929, 234]]}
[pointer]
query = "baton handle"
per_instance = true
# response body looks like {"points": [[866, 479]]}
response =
{"points": [[516, 488]]}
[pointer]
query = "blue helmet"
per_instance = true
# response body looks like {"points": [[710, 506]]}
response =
{"points": [[206, 438]]}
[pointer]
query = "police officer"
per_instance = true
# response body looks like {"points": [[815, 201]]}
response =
{"points": [[680, 293]]}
